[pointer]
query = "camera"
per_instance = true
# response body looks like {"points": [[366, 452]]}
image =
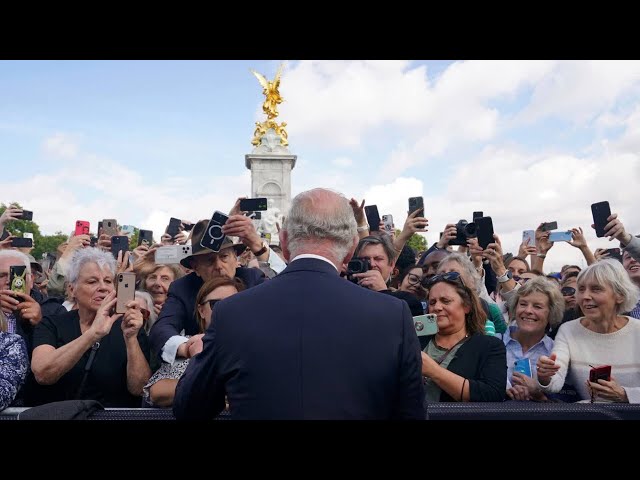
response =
{"points": [[464, 231], [357, 265]]}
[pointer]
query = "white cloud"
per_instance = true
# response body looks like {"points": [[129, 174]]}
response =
{"points": [[61, 145], [342, 162]]}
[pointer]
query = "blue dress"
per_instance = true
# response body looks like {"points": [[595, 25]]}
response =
{"points": [[14, 364]]}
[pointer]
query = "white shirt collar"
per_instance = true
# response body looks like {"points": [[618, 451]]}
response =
{"points": [[317, 257]]}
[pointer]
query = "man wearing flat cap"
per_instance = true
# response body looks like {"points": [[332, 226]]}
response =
{"points": [[177, 314]]}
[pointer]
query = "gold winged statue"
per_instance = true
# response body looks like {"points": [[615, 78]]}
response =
{"points": [[270, 91], [270, 108]]}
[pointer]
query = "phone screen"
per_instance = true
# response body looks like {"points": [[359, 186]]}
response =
{"points": [[18, 278], [253, 204], [560, 237]]}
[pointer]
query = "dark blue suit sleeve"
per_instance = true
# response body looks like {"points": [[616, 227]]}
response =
{"points": [[200, 392], [492, 383], [410, 403], [170, 321]]}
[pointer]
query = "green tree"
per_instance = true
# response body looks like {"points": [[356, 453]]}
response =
{"points": [[416, 241], [48, 243], [133, 240]]}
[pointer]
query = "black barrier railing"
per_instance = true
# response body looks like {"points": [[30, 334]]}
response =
{"points": [[436, 411]]}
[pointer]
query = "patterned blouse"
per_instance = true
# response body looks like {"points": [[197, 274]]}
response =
{"points": [[14, 364], [166, 370]]}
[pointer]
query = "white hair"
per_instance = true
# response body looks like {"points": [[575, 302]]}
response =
{"points": [[612, 273], [17, 255], [321, 215], [468, 267], [89, 255]]}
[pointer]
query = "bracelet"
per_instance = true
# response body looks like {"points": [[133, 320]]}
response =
{"points": [[462, 389], [261, 251], [364, 228], [541, 255]]}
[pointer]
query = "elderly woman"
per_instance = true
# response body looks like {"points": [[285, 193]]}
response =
{"points": [[14, 364], [457, 262], [160, 390], [535, 307], [93, 352], [157, 282], [460, 363], [603, 336]]}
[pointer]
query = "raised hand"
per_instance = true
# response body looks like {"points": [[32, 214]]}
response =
{"points": [[104, 320], [578, 238], [547, 368], [449, 233], [358, 212]]}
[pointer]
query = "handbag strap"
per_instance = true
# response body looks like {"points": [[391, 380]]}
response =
{"points": [[87, 369]]}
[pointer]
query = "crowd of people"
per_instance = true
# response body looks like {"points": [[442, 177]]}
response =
{"points": [[321, 325]]}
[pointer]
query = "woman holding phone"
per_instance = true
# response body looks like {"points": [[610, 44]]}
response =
{"points": [[92, 352], [603, 336]]}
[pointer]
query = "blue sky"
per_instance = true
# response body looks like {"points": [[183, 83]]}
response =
{"points": [[142, 141]]}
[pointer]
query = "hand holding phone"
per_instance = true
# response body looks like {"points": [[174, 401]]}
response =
{"points": [[17, 242], [416, 203], [601, 212], [426, 324], [82, 228], [548, 226], [485, 231], [27, 215], [253, 204], [560, 236], [523, 366], [213, 236], [602, 372], [373, 217], [126, 288], [18, 278]]}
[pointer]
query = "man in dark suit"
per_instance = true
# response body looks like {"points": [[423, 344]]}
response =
{"points": [[178, 311], [308, 344]]}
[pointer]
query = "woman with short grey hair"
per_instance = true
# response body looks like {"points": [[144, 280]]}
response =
{"points": [[93, 352], [603, 336]]}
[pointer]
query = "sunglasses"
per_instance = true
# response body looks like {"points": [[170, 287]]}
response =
{"points": [[451, 277], [521, 280], [568, 291], [212, 302]]}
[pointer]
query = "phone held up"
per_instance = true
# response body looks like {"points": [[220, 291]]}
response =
{"points": [[560, 236], [388, 223], [415, 203], [213, 236], [426, 324], [145, 236], [373, 217], [529, 235], [601, 211], [27, 215], [82, 228], [22, 242], [126, 290], [18, 278], [253, 204], [601, 372]]}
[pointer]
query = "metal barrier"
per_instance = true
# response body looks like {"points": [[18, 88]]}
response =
{"points": [[436, 411]]}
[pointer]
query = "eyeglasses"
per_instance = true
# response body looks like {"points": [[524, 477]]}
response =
{"points": [[212, 302], [413, 279], [568, 291], [452, 277]]}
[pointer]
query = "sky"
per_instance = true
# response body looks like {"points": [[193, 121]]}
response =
{"points": [[143, 141]]}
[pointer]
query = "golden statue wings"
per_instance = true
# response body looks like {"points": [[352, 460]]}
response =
{"points": [[270, 91]]}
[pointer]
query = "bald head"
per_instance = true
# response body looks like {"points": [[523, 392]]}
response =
{"points": [[320, 221]]}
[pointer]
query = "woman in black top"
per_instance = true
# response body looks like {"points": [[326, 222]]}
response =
{"points": [[91, 352]]}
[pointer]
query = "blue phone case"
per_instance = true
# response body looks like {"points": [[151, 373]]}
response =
{"points": [[560, 237], [523, 366]]}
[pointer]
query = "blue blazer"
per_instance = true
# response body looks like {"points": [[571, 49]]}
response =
{"points": [[306, 345], [178, 312]]}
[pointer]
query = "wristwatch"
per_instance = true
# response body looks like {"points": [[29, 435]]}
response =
{"points": [[505, 277], [262, 250], [363, 228]]}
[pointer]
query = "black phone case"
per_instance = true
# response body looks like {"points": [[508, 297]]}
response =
{"points": [[600, 211], [27, 215], [145, 235], [22, 243], [174, 227], [485, 231], [253, 204], [119, 243], [373, 217], [213, 236], [415, 203]]}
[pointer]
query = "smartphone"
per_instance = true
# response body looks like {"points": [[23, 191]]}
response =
{"points": [[548, 226], [601, 212], [93, 241], [477, 215], [119, 243], [145, 235], [485, 231], [213, 236], [27, 235], [523, 366], [172, 254], [100, 228], [174, 227], [529, 235], [27, 215], [22, 242], [426, 324], [82, 228], [253, 204], [415, 203], [125, 290], [18, 279], [388, 222], [128, 230], [602, 372], [614, 253], [560, 237], [110, 227], [373, 218], [255, 215]]}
